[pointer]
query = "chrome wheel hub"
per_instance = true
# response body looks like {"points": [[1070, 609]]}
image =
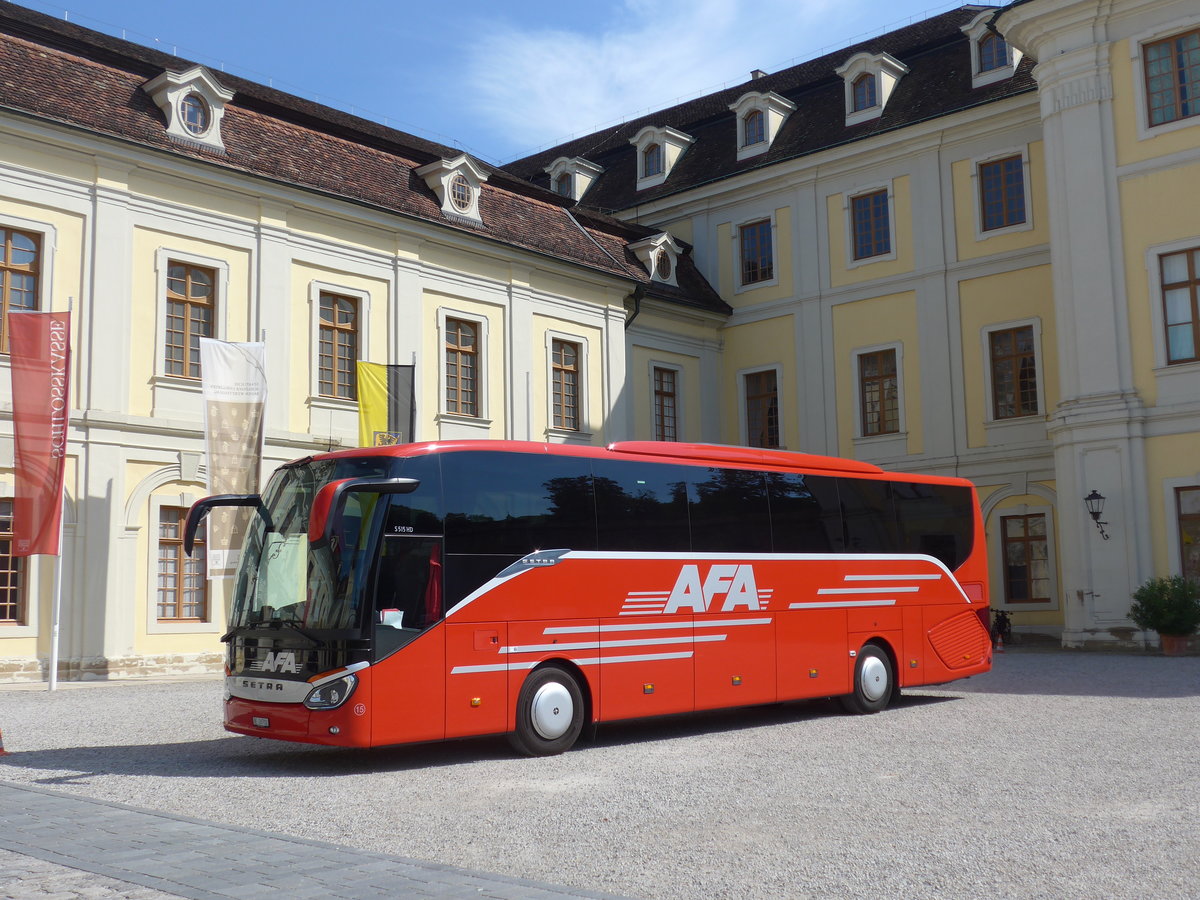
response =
{"points": [[873, 679], [552, 710]]}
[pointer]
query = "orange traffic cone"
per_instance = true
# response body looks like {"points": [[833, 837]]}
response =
{"points": [[999, 643]]}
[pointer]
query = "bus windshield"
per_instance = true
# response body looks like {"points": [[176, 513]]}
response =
{"points": [[281, 581]]}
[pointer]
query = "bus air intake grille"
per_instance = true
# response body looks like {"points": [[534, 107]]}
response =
{"points": [[960, 641]]}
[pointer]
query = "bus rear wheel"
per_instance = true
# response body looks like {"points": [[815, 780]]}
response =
{"points": [[874, 681], [550, 713]]}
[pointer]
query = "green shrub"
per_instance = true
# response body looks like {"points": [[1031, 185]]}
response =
{"points": [[1168, 605]]}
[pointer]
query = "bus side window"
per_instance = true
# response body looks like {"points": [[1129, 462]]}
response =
{"points": [[870, 517], [729, 510], [514, 503], [806, 514], [641, 506], [935, 519]]}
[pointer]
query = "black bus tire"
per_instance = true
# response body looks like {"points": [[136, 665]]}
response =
{"points": [[874, 681], [550, 712]]}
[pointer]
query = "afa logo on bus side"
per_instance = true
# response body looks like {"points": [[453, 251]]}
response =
{"points": [[733, 582]]}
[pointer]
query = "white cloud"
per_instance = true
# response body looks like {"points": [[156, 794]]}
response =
{"points": [[540, 86]]}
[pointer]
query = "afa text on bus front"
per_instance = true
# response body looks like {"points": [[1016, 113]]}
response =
{"points": [[429, 591]]}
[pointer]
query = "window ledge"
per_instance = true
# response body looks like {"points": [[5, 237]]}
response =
{"points": [[332, 403], [159, 627], [869, 448], [767, 282], [565, 436], [177, 383], [1016, 430], [1178, 382]]}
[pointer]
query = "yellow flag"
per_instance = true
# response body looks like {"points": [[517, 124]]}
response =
{"points": [[385, 404]]}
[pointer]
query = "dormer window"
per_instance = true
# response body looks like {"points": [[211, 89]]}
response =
{"points": [[759, 118], [658, 150], [869, 80], [660, 255], [993, 53], [457, 183], [196, 118], [754, 128], [460, 192], [572, 177], [992, 57], [864, 93], [652, 160], [193, 103]]}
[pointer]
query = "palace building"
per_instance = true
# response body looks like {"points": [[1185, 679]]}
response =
{"points": [[962, 247]]}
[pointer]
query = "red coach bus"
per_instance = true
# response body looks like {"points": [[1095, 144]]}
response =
{"points": [[441, 590]]}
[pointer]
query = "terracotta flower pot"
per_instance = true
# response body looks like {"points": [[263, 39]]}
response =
{"points": [[1175, 644]]}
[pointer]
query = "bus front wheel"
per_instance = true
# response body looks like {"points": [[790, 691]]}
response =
{"points": [[873, 681], [550, 712]]}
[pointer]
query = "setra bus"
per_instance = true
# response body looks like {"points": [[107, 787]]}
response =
{"points": [[441, 590]]}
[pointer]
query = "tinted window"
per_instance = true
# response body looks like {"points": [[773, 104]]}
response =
{"points": [[805, 514], [935, 519], [729, 511], [868, 515], [421, 511], [641, 506], [515, 503]]}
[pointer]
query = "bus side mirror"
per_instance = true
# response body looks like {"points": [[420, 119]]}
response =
{"points": [[325, 517], [202, 506]]}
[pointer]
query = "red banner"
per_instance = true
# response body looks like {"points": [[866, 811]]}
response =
{"points": [[40, 350]]}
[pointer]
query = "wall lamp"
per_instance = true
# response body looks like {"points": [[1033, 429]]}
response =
{"points": [[1095, 506]]}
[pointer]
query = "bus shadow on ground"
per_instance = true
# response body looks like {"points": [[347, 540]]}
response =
{"points": [[233, 757]]}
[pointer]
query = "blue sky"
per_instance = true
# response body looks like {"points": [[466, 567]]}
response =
{"points": [[499, 79]]}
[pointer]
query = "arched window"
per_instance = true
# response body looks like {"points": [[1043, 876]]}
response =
{"points": [[993, 53], [562, 184], [754, 128], [652, 160], [864, 92], [195, 115]]}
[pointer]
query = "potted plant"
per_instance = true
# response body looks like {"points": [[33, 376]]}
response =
{"points": [[1169, 605]]}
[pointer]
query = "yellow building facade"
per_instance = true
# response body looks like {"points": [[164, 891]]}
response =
{"points": [[967, 249]]}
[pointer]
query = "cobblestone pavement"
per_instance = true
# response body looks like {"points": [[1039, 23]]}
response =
{"points": [[57, 846]]}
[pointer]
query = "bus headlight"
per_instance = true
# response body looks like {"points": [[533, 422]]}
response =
{"points": [[332, 694]]}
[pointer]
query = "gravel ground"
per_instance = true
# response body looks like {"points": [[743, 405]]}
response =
{"points": [[1056, 775]]}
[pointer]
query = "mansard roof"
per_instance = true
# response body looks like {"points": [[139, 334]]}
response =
{"points": [[60, 72], [938, 83]]}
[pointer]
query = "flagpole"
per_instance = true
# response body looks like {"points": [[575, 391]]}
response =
{"points": [[62, 516]]}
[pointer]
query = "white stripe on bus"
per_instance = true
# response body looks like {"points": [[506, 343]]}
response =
{"points": [[841, 604], [601, 645], [655, 626], [593, 661], [870, 590], [892, 577]]}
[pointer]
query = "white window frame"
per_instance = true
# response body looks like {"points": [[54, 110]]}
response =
{"points": [[901, 434], [315, 290], [48, 235], [213, 625], [775, 110], [565, 435], [483, 420], [743, 413], [977, 201], [996, 555], [1171, 515], [1145, 130], [976, 30], [33, 585], [736, 235], [163, 257], [887, 71], [678, 370], [1177, 382], [848, 213], [989, 416]]}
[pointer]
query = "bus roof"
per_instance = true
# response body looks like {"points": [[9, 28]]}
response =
{"points": [[719, 454]]}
